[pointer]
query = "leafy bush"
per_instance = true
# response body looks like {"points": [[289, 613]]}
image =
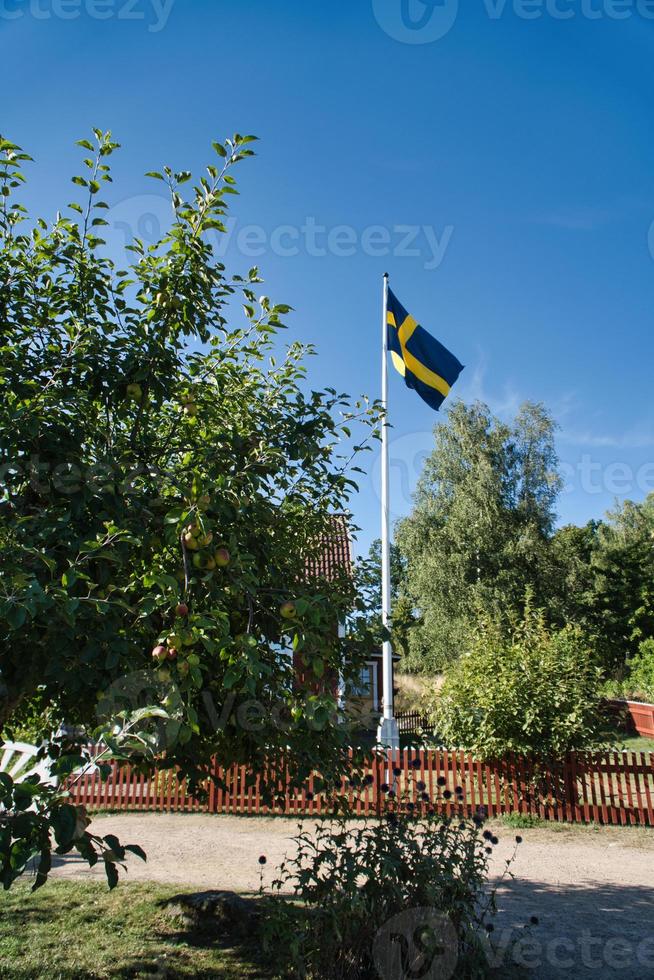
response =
{"points": [[525, 689], [638, 685], [418, 884], [33, 721]]}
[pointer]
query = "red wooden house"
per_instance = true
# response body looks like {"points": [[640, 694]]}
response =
{"points": [[335, 559]]}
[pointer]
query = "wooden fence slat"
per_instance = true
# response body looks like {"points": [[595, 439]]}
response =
{"points": [[497, 788], [641, 781], [648, 775], [630, 775]]}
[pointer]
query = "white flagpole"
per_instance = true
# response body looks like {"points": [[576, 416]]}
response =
{"points": [[387, 733]]}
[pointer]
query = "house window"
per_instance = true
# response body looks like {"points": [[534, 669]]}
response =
{"points": [[366, 686]]}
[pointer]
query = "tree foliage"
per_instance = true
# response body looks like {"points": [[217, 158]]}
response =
{"points": [[605, 580], [167, 472], [477, 536]]}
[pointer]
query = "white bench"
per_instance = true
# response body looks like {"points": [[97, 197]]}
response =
{"points": [[18, 759]]}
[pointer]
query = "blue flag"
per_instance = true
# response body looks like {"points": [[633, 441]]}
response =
{"points": [[426, 366]]}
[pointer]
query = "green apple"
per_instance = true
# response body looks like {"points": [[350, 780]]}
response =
{"points": [[210, 563], [134, 392], [198, 561], [190, 542], [222, 557], [174, 640], [206, 539], [288, 610], [181, 609], [159, 653]]}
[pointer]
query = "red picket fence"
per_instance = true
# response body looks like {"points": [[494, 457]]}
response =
{"points": [[609, 788]]}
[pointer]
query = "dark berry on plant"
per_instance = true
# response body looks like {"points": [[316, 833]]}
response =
{"points": [[392, 794], [397, 771], [415, 764], [495, 840], [384, 787], [518, 839], [309, 795], [263, 859], [447, 794], [489, 927], [424, 797], [489, 850], [487, 835], [442, 781], [534, 920], [421, 786]]}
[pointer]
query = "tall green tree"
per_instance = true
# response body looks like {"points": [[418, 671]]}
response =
{"points": [[623, 567], [604, 580], [166, 473], [477, 537]]}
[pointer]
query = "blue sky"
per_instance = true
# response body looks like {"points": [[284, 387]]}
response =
{"points": [[497, 161]]}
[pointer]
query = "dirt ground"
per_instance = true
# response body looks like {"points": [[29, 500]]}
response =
{"points": [[592, 889]]}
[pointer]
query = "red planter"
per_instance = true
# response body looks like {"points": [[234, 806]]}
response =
{"points": [[638, 715]]}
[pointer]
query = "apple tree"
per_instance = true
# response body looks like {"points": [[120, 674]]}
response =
{"points": [[167, 474]]}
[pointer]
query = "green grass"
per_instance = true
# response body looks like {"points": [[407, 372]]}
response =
{"points": [[522, 821], [636, 744], [73, 930]]}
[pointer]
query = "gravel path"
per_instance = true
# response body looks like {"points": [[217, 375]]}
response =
{"points": [[591, 889]]}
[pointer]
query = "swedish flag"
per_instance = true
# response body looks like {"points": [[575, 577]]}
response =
{"points": [[426, 366]]}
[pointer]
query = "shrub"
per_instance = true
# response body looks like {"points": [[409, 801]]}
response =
{"points": [[357, 884], [33, 721], [526, 690], [639, 683]]}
